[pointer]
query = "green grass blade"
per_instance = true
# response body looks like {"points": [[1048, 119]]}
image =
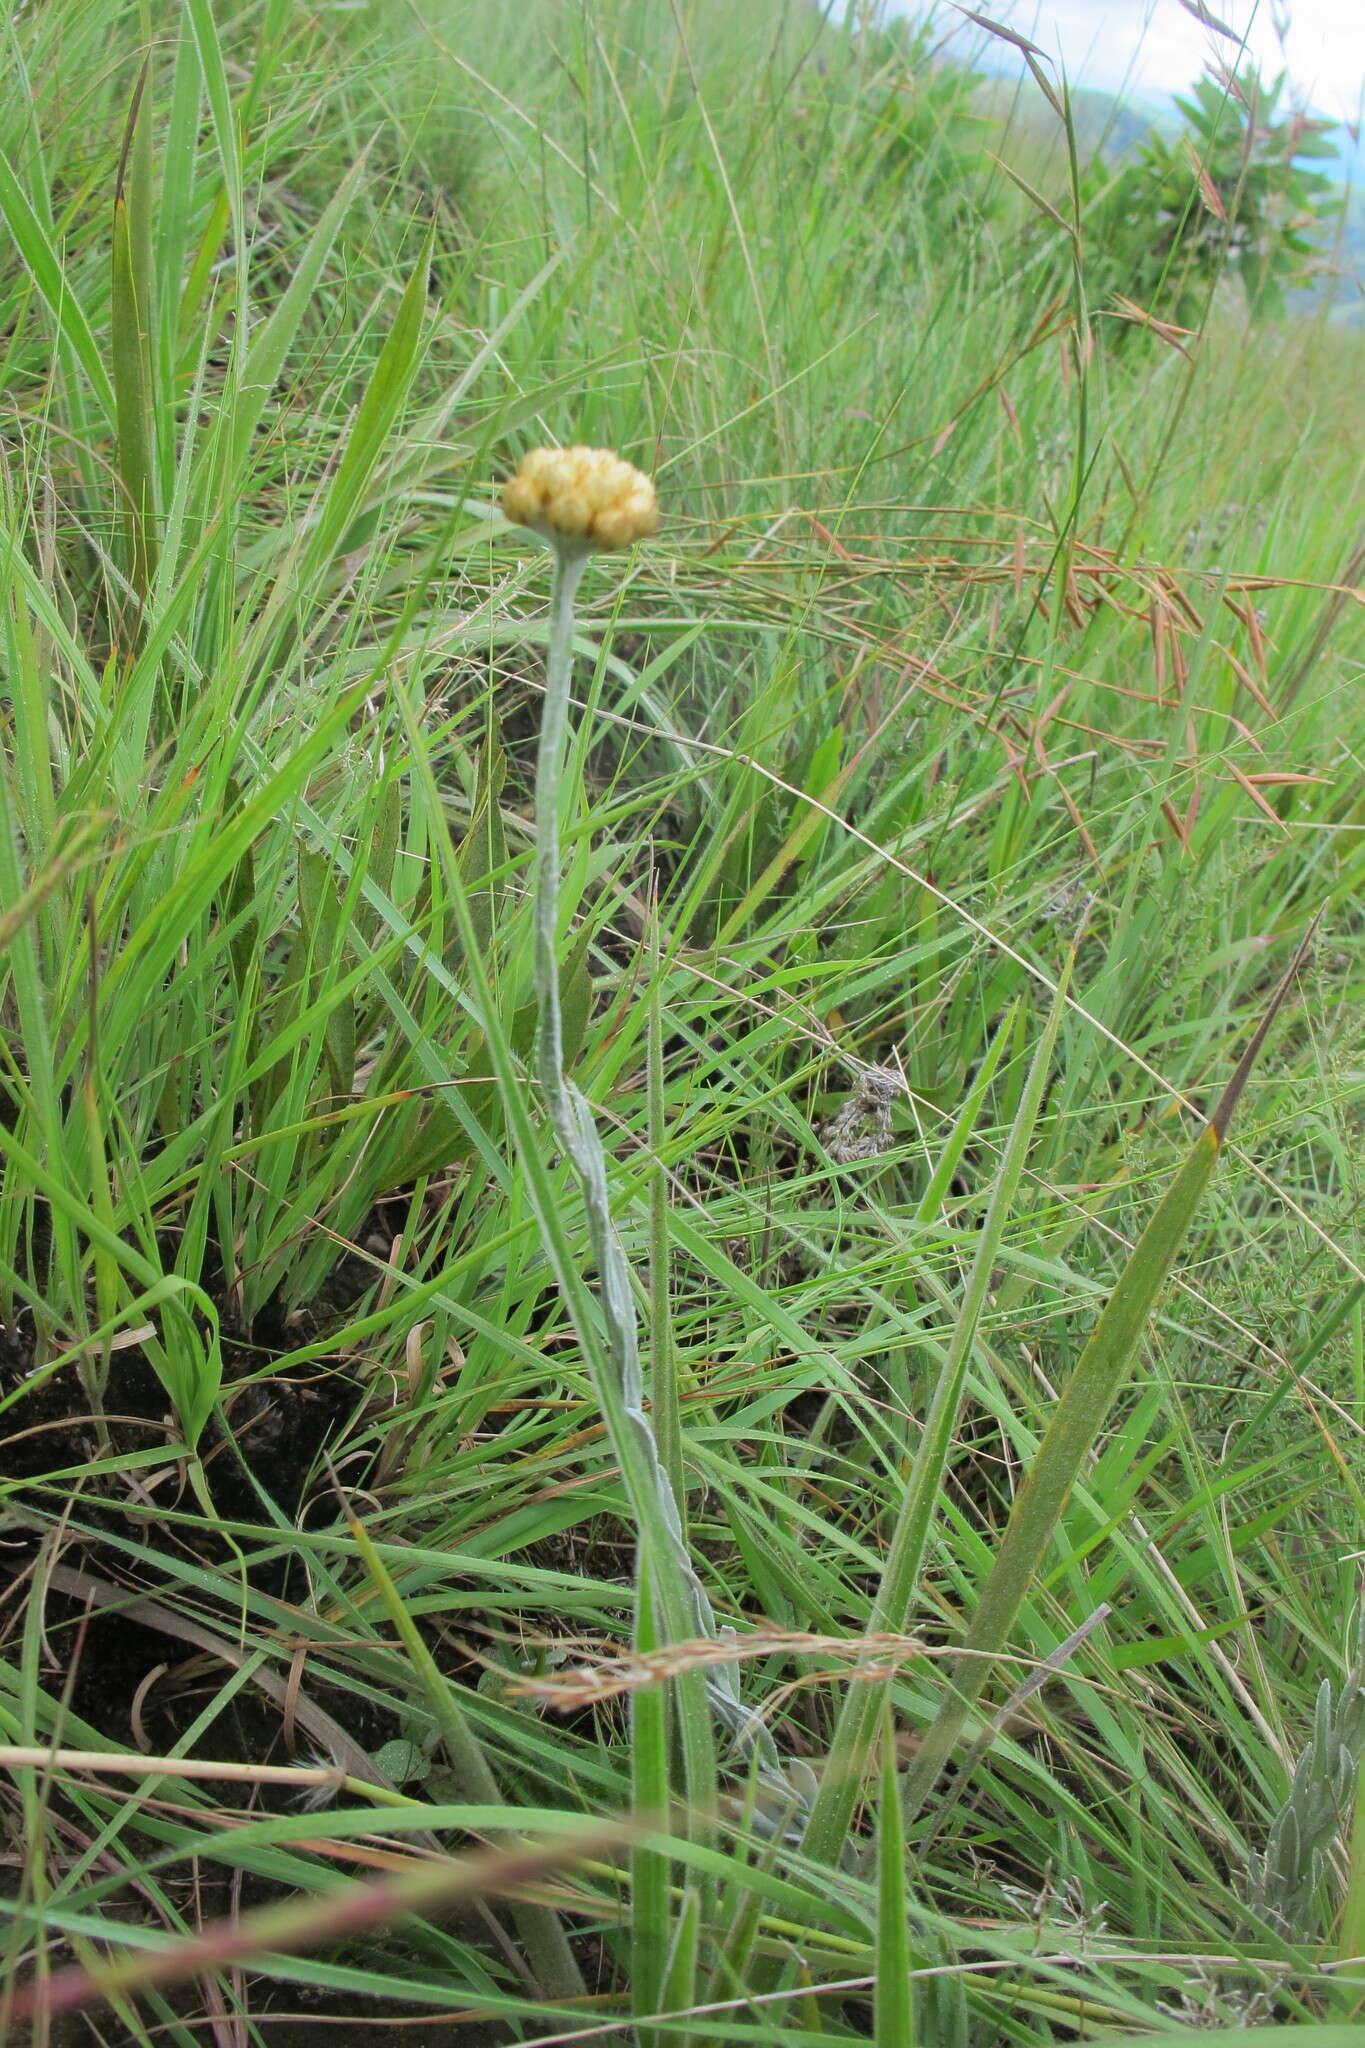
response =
{"points": [[376, 416], [483, 850], [1351, 1931], [227, 134], [45, 268], [540, 1926], [1076, 1423], [265, 357], [132, 320], [964, 1124], [663, 1367], [130, 335], [324, 925], [650, 1904], [894, 2016], [1330, 2034], [679, 1993], [846, 1767]]}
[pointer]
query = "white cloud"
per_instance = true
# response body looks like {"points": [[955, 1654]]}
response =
{"points": [[1158, 47]]}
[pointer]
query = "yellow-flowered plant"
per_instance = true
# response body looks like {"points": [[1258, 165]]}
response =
{"points": [[583, 495], [583, 500]]}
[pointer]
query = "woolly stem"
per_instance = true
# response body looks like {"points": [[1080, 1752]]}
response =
{"points": [[682, 1605]]}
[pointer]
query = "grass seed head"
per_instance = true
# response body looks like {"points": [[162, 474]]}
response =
{"points": [[862, 1128], [586, 497]]}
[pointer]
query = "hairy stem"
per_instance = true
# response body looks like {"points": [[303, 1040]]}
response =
{"points": [[682, 1606]]}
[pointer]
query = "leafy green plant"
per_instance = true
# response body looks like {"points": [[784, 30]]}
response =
{"points": [[892, 119], [1232, 197]]}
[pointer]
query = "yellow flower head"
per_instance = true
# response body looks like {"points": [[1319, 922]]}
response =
{"points": [[584, 496]]}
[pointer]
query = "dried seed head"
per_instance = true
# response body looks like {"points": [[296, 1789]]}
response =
{"points": [[862, 1128], [583, 496]]}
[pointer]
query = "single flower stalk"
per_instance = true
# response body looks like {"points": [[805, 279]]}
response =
{"points": [[585, 500]]}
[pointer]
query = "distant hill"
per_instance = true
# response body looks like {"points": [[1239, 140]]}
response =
{"points": [[1348, 304], [1349, 163], [1104, 123]]}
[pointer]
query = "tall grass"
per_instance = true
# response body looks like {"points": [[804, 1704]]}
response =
{"points": [[987, 712]]}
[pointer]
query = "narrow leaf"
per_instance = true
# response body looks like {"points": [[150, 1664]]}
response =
{"points": [[324, 925], [483, 850], [680, 1981], [539, 1926], [45, 267], [1077, 1420], [374, 420], [385, 833], [846, 1767], [129, 340], [964, 1124], [269, 349], [649, 1888], [894, 2018]]}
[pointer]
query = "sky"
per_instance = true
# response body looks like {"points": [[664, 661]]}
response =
{"points": [[1157, 47]]}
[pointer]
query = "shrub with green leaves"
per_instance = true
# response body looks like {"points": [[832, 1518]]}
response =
{"points": [[896, 126], [1232, 197]]}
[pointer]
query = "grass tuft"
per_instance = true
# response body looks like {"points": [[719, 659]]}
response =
{"points": [[414, 1419]]}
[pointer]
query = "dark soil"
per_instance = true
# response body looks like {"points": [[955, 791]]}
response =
{"points": [[136, 1685], [131, 1683]]}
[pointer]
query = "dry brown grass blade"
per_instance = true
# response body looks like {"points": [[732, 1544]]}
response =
{"points": [[1339, 595], [1165, 330], [16, 1756], [294, 1924], [1031, 52], [1262, 804], [1210, 21], [1231, 1095]]}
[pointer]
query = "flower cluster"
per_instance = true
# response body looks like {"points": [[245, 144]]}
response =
{"points": [[586, 496]]}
